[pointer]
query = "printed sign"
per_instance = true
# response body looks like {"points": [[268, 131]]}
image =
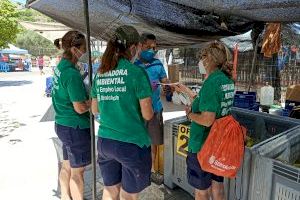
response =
{"points": [[183, 140]]}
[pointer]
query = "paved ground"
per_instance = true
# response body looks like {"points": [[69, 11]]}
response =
{"points": [[29, 149]]}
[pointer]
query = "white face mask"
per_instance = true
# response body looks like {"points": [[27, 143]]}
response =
{"points": [[202, 69], [84, 58]]}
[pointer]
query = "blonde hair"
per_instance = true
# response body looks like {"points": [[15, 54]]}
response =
{"points": [[220, 55]]}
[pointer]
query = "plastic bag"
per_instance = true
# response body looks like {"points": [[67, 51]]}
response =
{"points": [[223, 150]]}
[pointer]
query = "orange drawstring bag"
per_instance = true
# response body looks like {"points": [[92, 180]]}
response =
{"points": [[223, 150]]}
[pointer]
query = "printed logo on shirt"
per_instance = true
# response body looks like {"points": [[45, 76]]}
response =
{"points": [[227, 102], [57, 74], [110, 84]]}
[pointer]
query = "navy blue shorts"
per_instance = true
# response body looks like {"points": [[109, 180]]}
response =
{"points": [[198, 178], [124, 163], [76, 145]]}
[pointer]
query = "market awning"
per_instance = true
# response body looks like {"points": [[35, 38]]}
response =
{"points": [[14, 50], [175, 22]]}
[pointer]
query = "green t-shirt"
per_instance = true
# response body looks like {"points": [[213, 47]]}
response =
{"points": [[216, 96], [68, 87], [118, 93]]}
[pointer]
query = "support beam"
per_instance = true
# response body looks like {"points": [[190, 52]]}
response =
{"points": [[92, 127]]}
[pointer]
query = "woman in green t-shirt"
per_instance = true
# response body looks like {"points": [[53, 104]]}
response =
{"points": [[122, 93], [71, 105], [214, 101]]}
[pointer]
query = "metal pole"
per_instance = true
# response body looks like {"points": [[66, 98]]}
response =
{"points": [[253, 64], [88, 42]]}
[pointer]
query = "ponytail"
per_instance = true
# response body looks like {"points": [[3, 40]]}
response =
{"points": [[227, 69], [109, 59], [57, 43], [118, 47], [115, 50], [227, 66], [69, 40], [221, 56]]}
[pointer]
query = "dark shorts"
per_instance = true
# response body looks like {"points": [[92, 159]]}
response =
{"points": [[198, 178], [41, 67], [124, 163], [156, 129], [76, 145]]}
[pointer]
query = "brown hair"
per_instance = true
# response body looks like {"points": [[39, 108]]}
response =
{"points": [[220, 55], [118, 47], [70, 39]]}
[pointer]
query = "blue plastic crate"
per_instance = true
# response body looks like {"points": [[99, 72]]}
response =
{"points": [[255, 107], [285, 112], [289, 105], [245, 100], [4, 67]]}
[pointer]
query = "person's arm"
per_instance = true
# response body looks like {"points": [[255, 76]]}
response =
{"points": [[208, 106], [81, 107], [205, 118], [144, 93], [94, 107], [163, 77], [77, 93], [184, 89], [146, 108]]}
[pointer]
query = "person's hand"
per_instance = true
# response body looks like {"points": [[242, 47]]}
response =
{"points": [[164, 90], [188, 110], [180, 88], [88, 103], [154, 85]]}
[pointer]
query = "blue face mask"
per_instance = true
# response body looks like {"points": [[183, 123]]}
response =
{"points": [[148, 55]]}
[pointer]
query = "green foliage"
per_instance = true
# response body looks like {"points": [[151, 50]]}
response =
{"points": [[8, 23], [33, 16], [35, 44]]}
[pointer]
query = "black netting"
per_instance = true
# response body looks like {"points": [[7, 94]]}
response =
{"points": [[175, 22]]}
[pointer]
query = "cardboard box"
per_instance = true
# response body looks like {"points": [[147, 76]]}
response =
{"points": [[173, 72], [293, 93]]}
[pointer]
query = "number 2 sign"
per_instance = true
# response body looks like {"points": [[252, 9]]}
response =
{"points": [[183, 140]]}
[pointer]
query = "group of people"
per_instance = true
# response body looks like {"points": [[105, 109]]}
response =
{"points": [[126, 95]]}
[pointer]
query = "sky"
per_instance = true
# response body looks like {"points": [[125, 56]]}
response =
{"points": [[20, 1]]}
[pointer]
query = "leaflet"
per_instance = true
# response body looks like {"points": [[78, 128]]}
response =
{"points": [[168, 84]]}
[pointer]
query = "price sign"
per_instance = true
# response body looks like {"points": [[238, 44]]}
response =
{"points": [[183, 140]]}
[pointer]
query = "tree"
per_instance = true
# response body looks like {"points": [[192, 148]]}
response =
{"points": [[33, 16], [8, 23], [35, 44]]}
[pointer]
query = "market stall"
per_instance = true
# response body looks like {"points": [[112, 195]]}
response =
{"points": [[175, 22], [15, 59]]}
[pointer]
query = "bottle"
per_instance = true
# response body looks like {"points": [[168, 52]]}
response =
{"points": [[267, 95]]}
